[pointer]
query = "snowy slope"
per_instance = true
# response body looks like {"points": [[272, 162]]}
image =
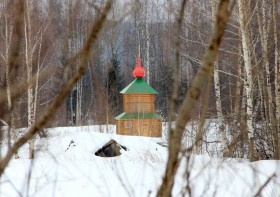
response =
{"points": [[137, 172]]}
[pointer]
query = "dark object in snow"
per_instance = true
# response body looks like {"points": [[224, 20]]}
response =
{"points": [[69, 146], [163, 144], [111, 149]]}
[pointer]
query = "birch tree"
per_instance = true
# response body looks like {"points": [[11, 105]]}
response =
{"points": [[276, 78], [147, 37], [73, 42], [69, 50], [249, 77], [10, 81], [32, 91], [220, 117], [264, 26], [33, 38]]}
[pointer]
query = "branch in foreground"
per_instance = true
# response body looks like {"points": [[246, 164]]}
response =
{"points": [[191, 99], [264, 185], [85, 55]]}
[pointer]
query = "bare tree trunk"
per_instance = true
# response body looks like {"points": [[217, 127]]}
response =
{"points": [[220, 117], [249, 79], [173, 163], [264, 41], [79, 94], [32, 88], [147, 44], [237, 136], [12, 130], [263, 101], [28, 63], [237, 108], [192, 97], [174, 96], [79, 103], [276, 81], [264, 26], [69, 51]]}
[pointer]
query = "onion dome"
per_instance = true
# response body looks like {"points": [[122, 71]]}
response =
{"points": [[138, 71]]}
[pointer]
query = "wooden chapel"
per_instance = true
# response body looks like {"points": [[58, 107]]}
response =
{"points": [[139, 117]]}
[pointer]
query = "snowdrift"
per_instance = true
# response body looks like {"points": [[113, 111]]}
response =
{"points": [[66, 165]]}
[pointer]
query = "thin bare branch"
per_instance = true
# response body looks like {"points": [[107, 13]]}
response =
{"points": [[265, 184]]}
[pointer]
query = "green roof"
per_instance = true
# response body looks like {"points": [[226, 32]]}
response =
{"points": [[139, 86], [127, 116]]}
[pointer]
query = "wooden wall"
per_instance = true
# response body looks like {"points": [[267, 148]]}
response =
{"points": [[138, 103], [140, 127]]}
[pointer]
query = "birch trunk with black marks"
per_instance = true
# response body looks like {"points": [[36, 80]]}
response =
{"points": [[31, 43], [73, 44], [79, 87], [248, 79], [264, 26], [238, 100], [220, 117]]}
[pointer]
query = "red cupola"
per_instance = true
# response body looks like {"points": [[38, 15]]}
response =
{"points": [[138, 71]]}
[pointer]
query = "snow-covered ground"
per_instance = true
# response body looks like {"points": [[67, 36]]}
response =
{"points": [[77, 171]]}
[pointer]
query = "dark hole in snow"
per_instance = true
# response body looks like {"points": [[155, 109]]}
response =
{"points": [[111, 149]]}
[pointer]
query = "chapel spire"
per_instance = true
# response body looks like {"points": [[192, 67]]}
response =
{"points": [[139, 71]]}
